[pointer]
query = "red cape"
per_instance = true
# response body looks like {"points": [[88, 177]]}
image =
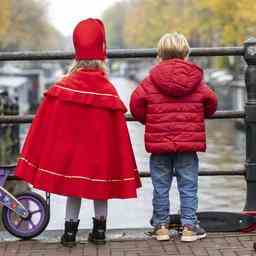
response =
{"points": [[78, 144]]}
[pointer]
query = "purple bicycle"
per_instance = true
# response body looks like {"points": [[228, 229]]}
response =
{"points": [[25, 215]]}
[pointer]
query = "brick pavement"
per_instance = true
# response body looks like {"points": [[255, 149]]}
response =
{"points": [[231, 244]]}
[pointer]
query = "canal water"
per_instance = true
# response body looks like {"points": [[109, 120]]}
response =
{"points": [[226, 151]]}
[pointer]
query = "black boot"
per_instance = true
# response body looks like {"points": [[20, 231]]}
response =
{"points": [[68, 239], [97, 236]]}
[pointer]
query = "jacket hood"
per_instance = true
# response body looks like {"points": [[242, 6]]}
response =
{"points": [[176, 77]]}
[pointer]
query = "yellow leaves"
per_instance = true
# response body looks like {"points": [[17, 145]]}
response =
{"points": [[134, 24], [236, 19], [204, 22], [24, 25], [147, 21], [4, 16]]}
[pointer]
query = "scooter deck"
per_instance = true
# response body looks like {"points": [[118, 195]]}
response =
{"points": [[222, 221]]}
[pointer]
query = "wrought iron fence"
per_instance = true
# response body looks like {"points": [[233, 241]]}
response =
{"points": [[248, 51]]}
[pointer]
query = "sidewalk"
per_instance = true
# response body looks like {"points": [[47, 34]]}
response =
{"points": [[124, 243]]}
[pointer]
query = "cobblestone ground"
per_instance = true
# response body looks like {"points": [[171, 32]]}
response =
{"points": [[216, 244]]}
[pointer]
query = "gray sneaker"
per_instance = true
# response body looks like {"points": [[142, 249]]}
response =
{"points": [[192, 233]]}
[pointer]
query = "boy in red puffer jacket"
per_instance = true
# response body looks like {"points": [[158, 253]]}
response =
{"points": [[172, 102]]}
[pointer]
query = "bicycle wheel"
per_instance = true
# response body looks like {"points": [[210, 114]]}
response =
{"points": [[34, 224]]}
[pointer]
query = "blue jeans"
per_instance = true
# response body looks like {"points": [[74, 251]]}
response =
{"points": [[162, 168]]}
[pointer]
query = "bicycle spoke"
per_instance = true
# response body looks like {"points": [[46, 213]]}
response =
{"points": [[33, 225], [34, 212]]}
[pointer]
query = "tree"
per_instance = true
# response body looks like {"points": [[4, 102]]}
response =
{"points": [[203, 22], [4, 16], [114, 17], [146, 21], [28, 27], [233, 20]]}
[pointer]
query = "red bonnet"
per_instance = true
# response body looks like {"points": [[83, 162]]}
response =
{"points": [[89, 40]]}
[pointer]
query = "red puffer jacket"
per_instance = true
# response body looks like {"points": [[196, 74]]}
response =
{"points": [[173, 102]]}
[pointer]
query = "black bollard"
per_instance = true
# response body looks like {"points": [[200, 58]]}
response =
{"points": [[250, 123]]}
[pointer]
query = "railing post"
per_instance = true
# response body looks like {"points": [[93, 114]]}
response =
{"points": [[250, 123]]}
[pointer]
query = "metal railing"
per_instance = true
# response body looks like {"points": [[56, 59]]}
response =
{"points": [[119, 54], [13, 119], [248, 51]]}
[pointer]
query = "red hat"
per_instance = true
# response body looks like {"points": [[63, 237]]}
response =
{"points": [[89, 40]]}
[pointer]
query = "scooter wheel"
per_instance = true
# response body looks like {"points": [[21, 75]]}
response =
{"points": [[34, 224]]}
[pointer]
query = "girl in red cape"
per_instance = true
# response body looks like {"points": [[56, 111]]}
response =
{"points": [[78, 144]]}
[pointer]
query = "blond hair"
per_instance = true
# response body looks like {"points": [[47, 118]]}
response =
{"points": [[87, 64], [173, 45]]}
